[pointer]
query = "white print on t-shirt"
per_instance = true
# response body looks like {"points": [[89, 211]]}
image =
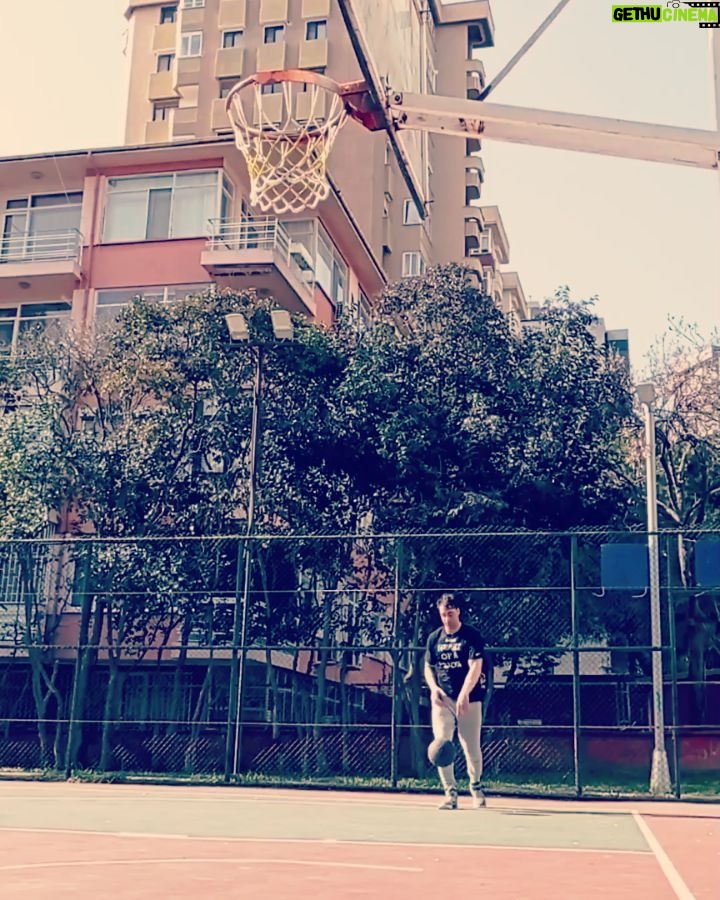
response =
{"points": [[448, 654]]}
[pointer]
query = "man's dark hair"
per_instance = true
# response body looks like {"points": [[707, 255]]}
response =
{"points": [[450, 600]]}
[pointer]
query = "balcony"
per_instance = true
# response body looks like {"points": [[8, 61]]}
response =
{"points": [[315, 9], [313, 54], [476, 65], [51, 259], [480, 251], [185, 121], [474, 85], [165, 37], [273, 11], [271, 56], [192, 19], [159, 132], [494, 223], [514, 300], [232, 14], [219, 118], [258, 254], [162, 86], [229, 62]]}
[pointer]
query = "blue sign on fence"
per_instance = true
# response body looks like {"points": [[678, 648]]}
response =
{"points": [[624, 566], [707, 563]]}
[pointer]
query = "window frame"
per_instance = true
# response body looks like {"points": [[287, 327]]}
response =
{"points": [[186, 39], [20, 322], [277, 31], [28, 208], [159, 293], [313, 25], [168, 14], [237, 38], [412, 270], [225, 85], [410, 212], [169, 57], [223, 185], [161, 110]]}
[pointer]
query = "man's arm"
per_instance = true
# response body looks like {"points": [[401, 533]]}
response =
{"points": [[471, 679], [437, 695]]}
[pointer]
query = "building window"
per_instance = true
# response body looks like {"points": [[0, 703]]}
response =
{"points": [[232, 39], [40, 227], [191, 44], [316, 31], [472, 146], [273, 34], [158, 207], [225, 86], [411, 216], [165, 62], [273, 88], [168, 15], [161, 111], [413, 264], [330, 269], [108, 304], [29, 318], [193, 4], [319, 70], [476, 42]]}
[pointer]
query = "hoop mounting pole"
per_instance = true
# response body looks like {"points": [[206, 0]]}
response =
{"points": [[562, 131]]}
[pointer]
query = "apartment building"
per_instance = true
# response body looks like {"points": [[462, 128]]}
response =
{"points": [[187, 54], [169, 212], [84, 232]]}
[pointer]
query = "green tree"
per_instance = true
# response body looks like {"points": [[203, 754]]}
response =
{"points": [[459, 424], [686, 372]]}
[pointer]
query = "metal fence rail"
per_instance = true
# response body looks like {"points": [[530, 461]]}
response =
{"points": [[134, 656]]}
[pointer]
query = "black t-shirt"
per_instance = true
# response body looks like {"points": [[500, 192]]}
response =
{"points": [[449, 656]]}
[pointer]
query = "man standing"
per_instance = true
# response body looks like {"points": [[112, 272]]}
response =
{"points": [[454, 674]]}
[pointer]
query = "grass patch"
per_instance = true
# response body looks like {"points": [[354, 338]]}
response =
{"points": [[533, 785]]}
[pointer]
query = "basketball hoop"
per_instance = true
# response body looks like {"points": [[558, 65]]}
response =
{"points": [[285, 124]]}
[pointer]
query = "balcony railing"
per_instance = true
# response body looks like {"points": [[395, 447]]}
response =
{"points": [[46, 245], [262, 233]]}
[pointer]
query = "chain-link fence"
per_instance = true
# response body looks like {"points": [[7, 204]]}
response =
{"points": [[301, 658]]}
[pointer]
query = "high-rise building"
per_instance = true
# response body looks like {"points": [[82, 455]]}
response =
{"points": [[187, 55]]}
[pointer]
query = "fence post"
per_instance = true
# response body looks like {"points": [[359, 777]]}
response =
{"points": [[395, 664], [232, 733], [674, 706], [576, 668], [82, 651]]}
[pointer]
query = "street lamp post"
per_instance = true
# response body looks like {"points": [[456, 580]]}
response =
{"points": [[239, 331], [660, 771]]}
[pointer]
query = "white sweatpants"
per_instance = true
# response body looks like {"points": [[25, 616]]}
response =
{"points": [[469, 724]]}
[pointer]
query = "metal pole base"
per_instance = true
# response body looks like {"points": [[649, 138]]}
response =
{"points": [[660, 785]]}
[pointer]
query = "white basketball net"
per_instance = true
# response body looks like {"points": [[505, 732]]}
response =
{"points": [[285, 131]]}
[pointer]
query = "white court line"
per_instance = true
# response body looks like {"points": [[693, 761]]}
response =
{"points": [[682, 891], [240, 798], [333, 841], [240, 861]]}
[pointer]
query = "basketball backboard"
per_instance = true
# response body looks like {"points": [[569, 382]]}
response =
{"points": [[390, 41], [393, 41]]}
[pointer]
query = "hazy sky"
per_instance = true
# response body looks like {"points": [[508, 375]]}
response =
{"points": [[644, 237]]}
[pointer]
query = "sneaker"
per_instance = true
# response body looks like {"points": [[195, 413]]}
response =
{"points": [[478, 798], [450, 801]]}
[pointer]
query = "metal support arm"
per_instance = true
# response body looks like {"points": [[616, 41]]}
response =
{"points": [[559, 130]]}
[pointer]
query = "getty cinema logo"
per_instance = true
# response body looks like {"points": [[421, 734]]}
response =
{"points": [[707, 15]]}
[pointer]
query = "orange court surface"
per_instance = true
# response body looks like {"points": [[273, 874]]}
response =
{"points": [[135, 842]]}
